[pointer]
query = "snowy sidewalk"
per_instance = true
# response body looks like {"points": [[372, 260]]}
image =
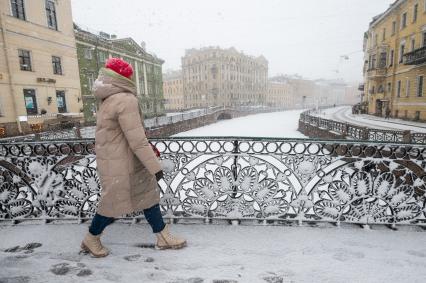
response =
{"points": [[344, 114], [216, 254]]}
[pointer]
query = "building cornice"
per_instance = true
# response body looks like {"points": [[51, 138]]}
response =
{"points": [[392, 7], [90, 39]]}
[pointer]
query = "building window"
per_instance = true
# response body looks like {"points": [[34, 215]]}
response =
{"points": [[407, 88], [419, 86], [424, 36], [415, 12], [1, 108], [389, 87], [391, 59], [25, 60], [398, 89], [404, 20], [90, 80], [382, 62], [60, 101], [51, 15], [393, 27], [88, 53], [30, 101], [373, 62], [417, 117], [18, 9], [413, 44], [102, 57], [401, 53], [57, 65], [384, 34]]}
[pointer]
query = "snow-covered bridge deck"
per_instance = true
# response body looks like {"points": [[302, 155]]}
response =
{"points": [[217, 253]]}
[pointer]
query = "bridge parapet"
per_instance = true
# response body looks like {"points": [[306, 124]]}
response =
{"points": [[235, 179]]}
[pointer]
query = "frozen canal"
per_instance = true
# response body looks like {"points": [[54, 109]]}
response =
{"points": [[216, 253], [278, 124]]}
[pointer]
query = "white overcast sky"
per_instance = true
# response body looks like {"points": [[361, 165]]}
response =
{"points": [[306, 37]]}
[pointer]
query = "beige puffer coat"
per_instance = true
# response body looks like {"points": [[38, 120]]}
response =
{"points": [[125, 159]]}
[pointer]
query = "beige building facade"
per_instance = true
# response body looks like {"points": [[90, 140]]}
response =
{"points": [[395, 61], [173, 91], [39, 76], [281, 95], [213, 76]]}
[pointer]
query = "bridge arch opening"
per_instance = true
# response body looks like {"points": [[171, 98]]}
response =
{"points": [[224, 116]]}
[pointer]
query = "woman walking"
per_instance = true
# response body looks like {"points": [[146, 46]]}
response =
{"points": [[127, 166]]}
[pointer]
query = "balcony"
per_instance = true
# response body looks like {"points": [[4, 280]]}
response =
{"points": [[377, 73], [415, 57]]}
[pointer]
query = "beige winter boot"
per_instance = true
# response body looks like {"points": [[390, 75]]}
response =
{"points": [[92, 244], [165, 240]]}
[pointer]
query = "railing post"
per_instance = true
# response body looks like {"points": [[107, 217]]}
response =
{"points": [[345, 130], [77, 132], [235, 151], [364, 134], [407, 137]]}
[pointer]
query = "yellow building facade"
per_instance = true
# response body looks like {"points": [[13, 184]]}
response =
{"points": [[39, 76], [280, 95], [173, 91], [395, 61]]}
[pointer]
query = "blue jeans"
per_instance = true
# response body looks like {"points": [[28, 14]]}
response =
{"points": [[152, 215]]}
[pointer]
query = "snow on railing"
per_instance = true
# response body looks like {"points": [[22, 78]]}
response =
{"points": [[179, 117], [235, 179], [355, 132]]}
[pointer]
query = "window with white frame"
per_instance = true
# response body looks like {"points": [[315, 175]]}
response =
{"points": [[1, 108], [88, 53], [419, 86], [407, 88], [424, 37], [401, 53], [90, 80], [51, 15], [394, 27], [398, 89], [415, 12], [404, 20], [391, 58], [18, 9], [57, 65], [25, 60]]}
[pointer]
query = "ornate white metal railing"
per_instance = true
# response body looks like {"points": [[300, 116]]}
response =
{"points": [[229, 178]]}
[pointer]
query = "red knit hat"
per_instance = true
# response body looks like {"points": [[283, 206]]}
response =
{"points": [[120, 66]]}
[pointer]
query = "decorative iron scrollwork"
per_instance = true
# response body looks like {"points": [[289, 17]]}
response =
{"points": [[232, 178]]}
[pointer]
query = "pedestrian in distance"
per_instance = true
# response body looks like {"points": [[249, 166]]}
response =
{"points": [[128, 168], [387, 113]]}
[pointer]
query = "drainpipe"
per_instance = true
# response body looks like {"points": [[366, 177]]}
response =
{"points": [[6, 53]]}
